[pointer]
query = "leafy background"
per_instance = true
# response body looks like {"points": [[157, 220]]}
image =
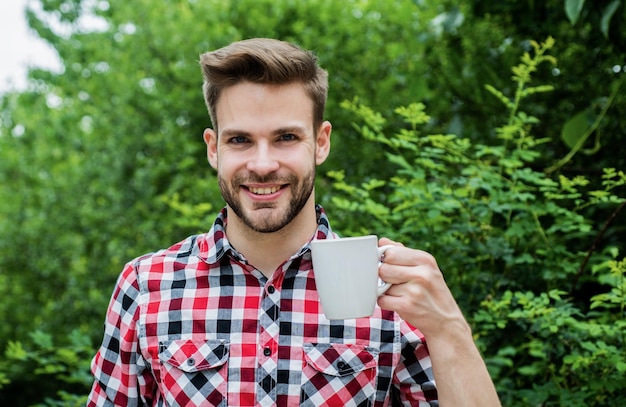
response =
{"points": [[489, 133]]}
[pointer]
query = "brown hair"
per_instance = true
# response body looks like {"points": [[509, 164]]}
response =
{"points": [[264, 61]]}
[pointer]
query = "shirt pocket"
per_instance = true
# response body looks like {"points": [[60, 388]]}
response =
{"points": [[194, 372], [337, 374]]}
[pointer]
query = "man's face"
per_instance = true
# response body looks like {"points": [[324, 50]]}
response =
{"points": [[266, 153]]}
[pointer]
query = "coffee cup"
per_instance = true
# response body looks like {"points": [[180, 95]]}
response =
{"points": [[346, 275]]}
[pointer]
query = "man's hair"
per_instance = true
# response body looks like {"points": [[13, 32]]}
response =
{"points": [[263, 61]]}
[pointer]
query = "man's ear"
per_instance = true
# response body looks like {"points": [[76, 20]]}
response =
{"points": [[210, 139], [322, 142]]}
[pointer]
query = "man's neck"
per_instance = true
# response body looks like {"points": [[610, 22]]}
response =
{"points": [[267, 251]]}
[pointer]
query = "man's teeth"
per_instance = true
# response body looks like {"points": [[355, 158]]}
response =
{"points": [[264, 191]]}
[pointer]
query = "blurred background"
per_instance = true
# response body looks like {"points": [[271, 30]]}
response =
{"points": [[490, 133]]}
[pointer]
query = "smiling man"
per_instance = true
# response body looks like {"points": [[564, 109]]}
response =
{"points": [[265, 150], [232, 316]]}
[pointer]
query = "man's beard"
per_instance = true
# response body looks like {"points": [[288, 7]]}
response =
{"points": [[301, 192]]}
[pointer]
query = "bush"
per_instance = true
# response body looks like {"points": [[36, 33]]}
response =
{"points": [[511, 241], [58, 371]]}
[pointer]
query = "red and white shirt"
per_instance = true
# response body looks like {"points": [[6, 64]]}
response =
{"points": [[197, 325]]}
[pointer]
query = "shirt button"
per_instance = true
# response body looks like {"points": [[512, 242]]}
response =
{"points": [[191, 362], [267, 351], [271, 289]]}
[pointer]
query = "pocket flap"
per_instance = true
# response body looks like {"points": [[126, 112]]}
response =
{"points": [[194, 355], [338, 359]]}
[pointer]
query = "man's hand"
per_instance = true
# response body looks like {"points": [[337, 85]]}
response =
{"points": [[420, 296], [419, 293]]}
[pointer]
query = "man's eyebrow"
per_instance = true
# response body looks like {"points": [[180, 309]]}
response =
{"points": [[289, 129], [278, 131], [233, 133]]}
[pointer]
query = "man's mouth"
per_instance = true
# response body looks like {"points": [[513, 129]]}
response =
{"points": [[264, 191]]}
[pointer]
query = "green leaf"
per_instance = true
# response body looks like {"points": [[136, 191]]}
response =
{"points": [[531, 370], [577, 128], [42, 339], [16, 351], [573, 9], [607, 15]]}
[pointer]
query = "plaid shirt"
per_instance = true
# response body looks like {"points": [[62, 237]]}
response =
{"points": [[197, 325]]}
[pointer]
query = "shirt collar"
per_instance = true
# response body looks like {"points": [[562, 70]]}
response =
{"points": [[211, 246]]}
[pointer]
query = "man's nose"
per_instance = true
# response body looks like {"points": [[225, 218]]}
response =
{"points": [[263, 160]]}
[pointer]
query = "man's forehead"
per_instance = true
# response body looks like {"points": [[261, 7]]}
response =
{"points": [[247, 106]]}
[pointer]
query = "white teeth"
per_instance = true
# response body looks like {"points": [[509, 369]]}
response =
{"points": [[264, 191]]}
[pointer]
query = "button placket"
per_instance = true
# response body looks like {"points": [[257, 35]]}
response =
{"points": [[269, 314], [269, 323]]}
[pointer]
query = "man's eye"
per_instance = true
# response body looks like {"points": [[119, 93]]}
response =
{"points": [[238, 139], [288, 137]]}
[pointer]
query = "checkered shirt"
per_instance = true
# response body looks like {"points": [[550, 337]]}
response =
{"points": [[197, 325]]}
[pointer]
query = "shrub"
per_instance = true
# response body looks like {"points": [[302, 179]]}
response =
{"points": [[512, 241]]}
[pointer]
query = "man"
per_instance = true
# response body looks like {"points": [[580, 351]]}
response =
{"points": [[231, 317]]}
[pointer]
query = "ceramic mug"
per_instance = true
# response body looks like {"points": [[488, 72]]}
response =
{"points": [[346, 275]]}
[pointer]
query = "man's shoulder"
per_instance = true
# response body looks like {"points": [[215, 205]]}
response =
{"points": [[183, 252]]}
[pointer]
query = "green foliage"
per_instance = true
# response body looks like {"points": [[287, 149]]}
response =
{"points": [[591, 66], [553, 352], [579, 128], [510, 239], [574, 8], [565, 356], [49, 366]]}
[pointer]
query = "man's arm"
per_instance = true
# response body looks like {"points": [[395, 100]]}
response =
{"points": [[115, 368], [421, 297]]}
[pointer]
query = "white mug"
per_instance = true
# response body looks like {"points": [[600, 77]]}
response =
{"points": [[346, 275]]}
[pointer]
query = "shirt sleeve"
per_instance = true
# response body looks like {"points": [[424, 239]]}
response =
{"points": [[120, 375], [413, 378]]}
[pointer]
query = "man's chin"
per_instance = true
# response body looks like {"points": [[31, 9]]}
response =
{"points": [[264, 220], [265, 227]]}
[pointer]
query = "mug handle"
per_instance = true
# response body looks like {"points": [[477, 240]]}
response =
{"points": [[382, 285]]}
